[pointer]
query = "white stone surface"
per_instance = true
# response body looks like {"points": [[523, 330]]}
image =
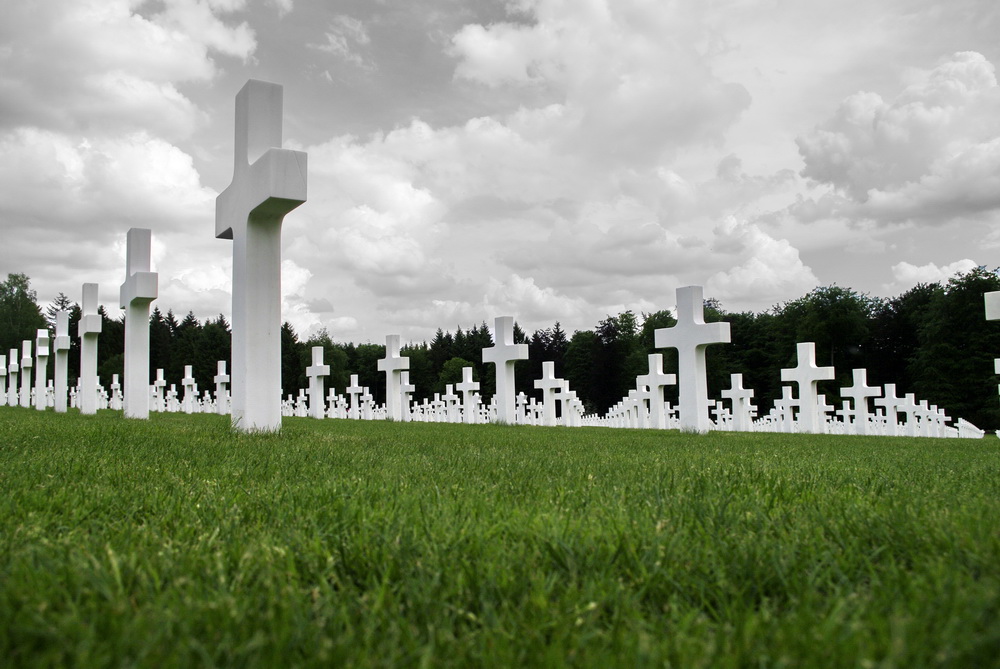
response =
{"points": [[27, 364], [159, 394], [858, 420], [136, 294], [353, 391], [548, 384], [60, 372], [691, 336], [12, 375], [221, 380], [504, 353], [467, 387], [88, 329], [806, 376], [656, 380], [406, 390], [316, 373], [268, 182], [190, 390], [392, 364], [743, 410], [41, 368]]}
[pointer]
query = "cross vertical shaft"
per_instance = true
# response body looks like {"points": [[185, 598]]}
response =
{"points": [[138, 290]]}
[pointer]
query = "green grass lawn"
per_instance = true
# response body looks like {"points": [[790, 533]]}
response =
{"points": [[174, 543]]}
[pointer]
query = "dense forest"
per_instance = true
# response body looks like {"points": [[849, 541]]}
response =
{"points": [[932, 340]]}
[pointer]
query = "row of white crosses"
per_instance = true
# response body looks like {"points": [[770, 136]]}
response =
{"points": [[806, 411]]}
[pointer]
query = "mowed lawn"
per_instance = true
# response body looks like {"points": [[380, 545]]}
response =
{"points": [[174, 543]]}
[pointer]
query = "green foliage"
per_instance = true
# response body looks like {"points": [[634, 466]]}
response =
{"points": [[174, 542], [20, 317]]}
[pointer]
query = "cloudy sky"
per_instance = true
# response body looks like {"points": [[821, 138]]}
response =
{"points": [[554, 160]]}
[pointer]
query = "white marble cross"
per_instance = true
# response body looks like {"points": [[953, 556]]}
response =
{"points": [[890, 403], [741, 398], [221, 380], [3, 380], [406, 390], [691, 336], [190, 389], [858, 418], [27, 363], [116, 393], [88, 329], [467, 387], [806, 375], [353, 390], [158, 385], [268, 182], [392, 364], [450, 400], [41, 367], [656, 380], [504, 353], [548, 384], [61, 370], [12, 371], [138, 290], [316, 373]]}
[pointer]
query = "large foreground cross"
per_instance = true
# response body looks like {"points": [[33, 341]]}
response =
{"points": [[268, 182], [691, 336], [137, 292]]}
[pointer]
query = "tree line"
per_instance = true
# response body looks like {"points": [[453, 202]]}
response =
{"points": [[932, 340]]}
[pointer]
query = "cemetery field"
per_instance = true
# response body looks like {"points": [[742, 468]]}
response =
{"points": [[174, 542]]}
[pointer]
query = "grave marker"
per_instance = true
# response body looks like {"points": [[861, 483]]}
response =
{"points": [[88, 330], [741, 398], [221, 379], [806, 376], [467, 387], [548, 384], [41, 367], [859, 394], [353, 390], [691, 336], [316, 373], [392, 364], [137, 292], [190, 389], [268, 182], [12, 371], [27, 362], [3, 380], [656, 380], [406, 389], [504, 353], [61, 371]]}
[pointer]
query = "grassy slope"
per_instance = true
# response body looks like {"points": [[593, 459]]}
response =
{"points": [[175, 543]]}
